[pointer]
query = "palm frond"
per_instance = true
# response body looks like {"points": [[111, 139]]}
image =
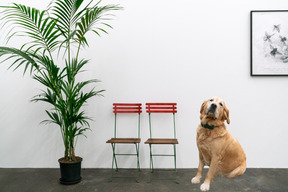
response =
{"points": [[63, 11], [74, 67], [55, 118], [34, 24], [22, 58], [91, 21], [46, 96]]}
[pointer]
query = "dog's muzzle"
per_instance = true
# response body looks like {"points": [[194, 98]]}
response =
{"points": [[212, 110]]}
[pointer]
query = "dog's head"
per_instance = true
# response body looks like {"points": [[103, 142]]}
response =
{"points": [[214, 109]]}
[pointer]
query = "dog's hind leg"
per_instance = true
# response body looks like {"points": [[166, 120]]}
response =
{"points": [[238, 171], [198, 176]]}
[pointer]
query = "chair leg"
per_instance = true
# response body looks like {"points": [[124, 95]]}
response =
{"points": [[113, 159], [175, 176], [114, 154], [151, 164], [137, 152], [138, 164], [111, 177], [151, 157]]}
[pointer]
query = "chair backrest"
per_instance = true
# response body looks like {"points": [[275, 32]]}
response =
{"points": [[161, 108], [127, 108]]}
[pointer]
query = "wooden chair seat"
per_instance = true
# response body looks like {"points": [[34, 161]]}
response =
{"points": [[124, 140], [161, 141]]}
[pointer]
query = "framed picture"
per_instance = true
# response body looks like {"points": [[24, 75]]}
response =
{"points": [[269, 43]]}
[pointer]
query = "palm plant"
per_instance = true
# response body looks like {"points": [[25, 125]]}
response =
{"points": [[60, 30]]}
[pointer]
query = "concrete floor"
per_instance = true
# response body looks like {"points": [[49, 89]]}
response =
{"points": [[97, 180]]}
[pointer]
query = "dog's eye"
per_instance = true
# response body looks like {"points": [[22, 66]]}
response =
{"points": [[221, 104], [211, 100]]}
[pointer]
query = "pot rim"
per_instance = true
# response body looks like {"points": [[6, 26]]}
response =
{"points": [[64, 161]]}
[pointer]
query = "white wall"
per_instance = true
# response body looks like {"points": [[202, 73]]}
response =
{"points": [[159, 51]]}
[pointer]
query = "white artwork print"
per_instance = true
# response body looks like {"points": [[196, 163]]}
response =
{"points": [[269, 42]]}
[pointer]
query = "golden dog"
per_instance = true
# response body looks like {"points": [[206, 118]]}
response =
{"points": [[217, 147]]}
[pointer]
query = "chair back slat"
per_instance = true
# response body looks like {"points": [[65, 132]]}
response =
{"points": [[127, 108], [161, 107]]}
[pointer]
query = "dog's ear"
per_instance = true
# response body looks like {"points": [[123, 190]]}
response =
{"points": [[226, 114], [202, 106], [202, 110]]}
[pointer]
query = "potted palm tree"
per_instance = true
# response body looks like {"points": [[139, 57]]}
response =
{"points": [[60, 30]]}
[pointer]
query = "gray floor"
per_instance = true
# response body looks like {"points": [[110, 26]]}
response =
{"points": [[97, 180]]}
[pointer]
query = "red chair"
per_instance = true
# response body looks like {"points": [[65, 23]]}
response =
{"points": [[124, 108], [169, 108]]}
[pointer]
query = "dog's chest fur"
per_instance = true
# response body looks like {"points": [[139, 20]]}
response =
{"points": [[207, 141]]}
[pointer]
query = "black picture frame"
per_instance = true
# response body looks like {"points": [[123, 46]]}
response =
{"points": [[269, 43]]}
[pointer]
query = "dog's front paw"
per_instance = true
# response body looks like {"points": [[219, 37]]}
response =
{"points": [[195, 180], [205, 187]]}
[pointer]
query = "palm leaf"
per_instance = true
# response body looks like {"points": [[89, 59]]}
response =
{"points": [[92, 18], [22, 58], [55, 118], [34, 24], [64, 11], [74, 67], [46, 96]]}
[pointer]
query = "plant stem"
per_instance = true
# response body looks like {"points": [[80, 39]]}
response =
{"points": [[79, 46]]}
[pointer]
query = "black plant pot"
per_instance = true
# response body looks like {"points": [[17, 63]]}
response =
{"points": [[70, 171]]}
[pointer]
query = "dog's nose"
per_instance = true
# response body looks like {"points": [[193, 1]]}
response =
{"points": [[213, 106]]}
